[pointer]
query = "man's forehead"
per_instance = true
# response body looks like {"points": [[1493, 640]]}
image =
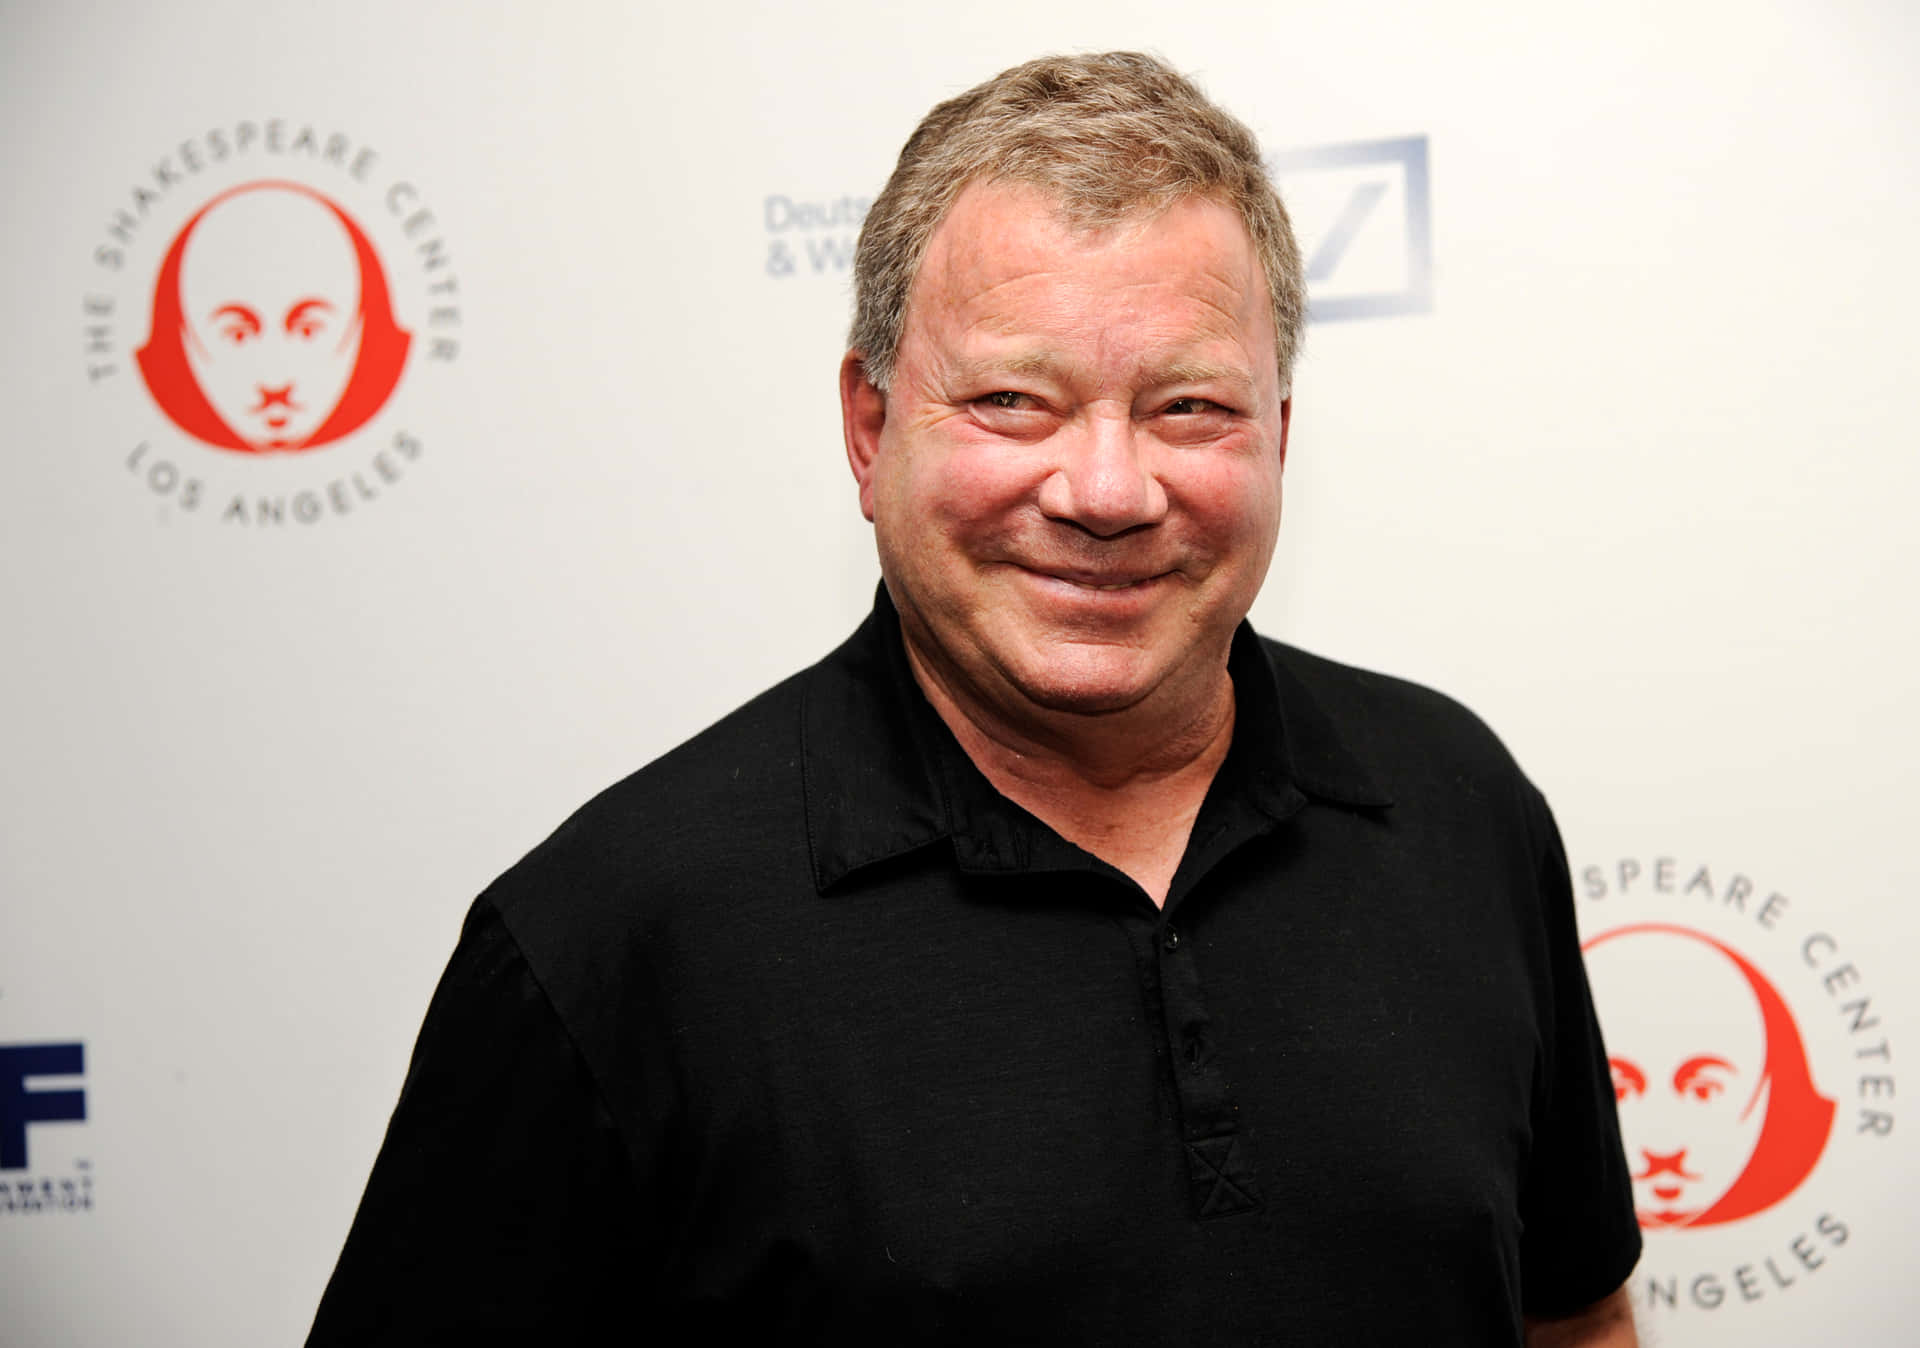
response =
{"points": [[997, 227], [1007, 251], [1701, 986], [270, 241], [986, 209]]}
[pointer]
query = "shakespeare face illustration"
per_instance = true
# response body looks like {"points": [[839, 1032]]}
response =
{"points": [[272, 326], [1717, 1106]]}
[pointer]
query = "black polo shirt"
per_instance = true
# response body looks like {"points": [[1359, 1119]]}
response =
{"points": [[805, 1030]]}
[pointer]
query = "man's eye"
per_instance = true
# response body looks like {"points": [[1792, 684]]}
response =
{"points": [[1006, 400], [1187, 407], [1627, 1079]]}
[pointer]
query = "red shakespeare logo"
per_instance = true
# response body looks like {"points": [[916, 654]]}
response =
{"points": [[1733, 1028], [279, 333], [1717, 1101], [258, 349]]}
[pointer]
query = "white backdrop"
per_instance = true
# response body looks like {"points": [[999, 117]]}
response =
{"points": [[1632, 479]]}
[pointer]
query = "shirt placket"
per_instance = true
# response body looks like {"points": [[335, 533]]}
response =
{"points": [[1220, 1174]]}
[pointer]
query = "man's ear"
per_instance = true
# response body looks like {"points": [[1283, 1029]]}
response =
{"points": [[863, 413], [1286, 424]]}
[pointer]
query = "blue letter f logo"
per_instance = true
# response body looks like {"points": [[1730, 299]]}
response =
{"points": [[20, 1106]]}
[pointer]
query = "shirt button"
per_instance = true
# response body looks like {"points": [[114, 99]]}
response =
{"points": [[1171, 940]]}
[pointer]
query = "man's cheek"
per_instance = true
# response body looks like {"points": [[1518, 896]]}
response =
{"points": [[983, 482]]}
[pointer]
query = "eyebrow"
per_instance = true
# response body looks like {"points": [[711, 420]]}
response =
{"points": [[1203, 372], [974, 369], [1043, 365], [304, 305], [1692, 1068], [239, 311]]}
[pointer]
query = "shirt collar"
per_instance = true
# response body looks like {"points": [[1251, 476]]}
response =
{"points": [[883, 776]]}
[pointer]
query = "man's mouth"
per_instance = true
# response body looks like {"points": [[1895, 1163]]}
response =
{"points": [[275, 397], [1099, 581], [1665, 1163]]}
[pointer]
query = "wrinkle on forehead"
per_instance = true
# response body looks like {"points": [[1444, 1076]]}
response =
{"points": [[970, 266], [1004, 279]]}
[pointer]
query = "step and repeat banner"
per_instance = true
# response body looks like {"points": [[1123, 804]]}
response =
{"points": [[417, 417]]}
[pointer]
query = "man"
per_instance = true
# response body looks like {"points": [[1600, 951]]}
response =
{"points": [[1718, 1103], [249, 354], [1057, 961]]}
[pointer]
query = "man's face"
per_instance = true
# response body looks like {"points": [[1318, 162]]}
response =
{"points": [[1075, 477], [1685, 1083], [270, 287]]}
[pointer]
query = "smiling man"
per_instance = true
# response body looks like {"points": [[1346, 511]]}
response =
{"points": [[1058, 960], [1074, 479]]}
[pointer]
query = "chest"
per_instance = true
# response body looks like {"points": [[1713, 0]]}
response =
{"points": [[973, 1101]]}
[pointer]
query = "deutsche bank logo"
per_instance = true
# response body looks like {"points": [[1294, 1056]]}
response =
{"points": [[20, 1105], [1364, 219]]}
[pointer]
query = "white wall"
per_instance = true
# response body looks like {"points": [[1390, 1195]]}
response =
{"points": [[1636, 487]]}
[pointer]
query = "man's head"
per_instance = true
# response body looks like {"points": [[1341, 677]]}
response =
{"points": [[1107, 138], [270, 294], [272, 324], [1718, 1107], [1069, 419]]}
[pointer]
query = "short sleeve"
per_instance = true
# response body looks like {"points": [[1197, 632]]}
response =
{"points": [[1580, 1238], [502, 1206]]}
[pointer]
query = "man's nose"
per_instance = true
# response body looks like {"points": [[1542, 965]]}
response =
{"points": [[1103, 479], [1664, 1163]]}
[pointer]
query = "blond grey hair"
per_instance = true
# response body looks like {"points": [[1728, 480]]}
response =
{"points": [[1110, 138]]}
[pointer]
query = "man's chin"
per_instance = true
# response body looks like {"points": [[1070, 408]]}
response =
{"points": [[1083, 683], [278, 441], [1669, 1216], [1082, 702]]}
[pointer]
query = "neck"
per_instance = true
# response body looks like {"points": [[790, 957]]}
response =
{"points": [[1124, 785]]}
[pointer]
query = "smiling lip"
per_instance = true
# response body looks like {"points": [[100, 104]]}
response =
{"points": [[1103, 582]]}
